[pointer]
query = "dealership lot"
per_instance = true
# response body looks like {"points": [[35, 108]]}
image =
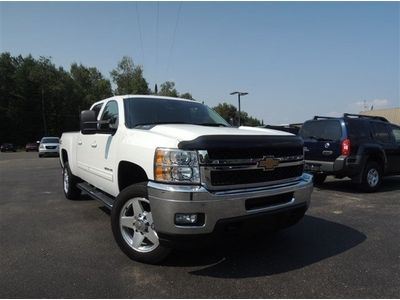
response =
{"points": [[347, 246]]}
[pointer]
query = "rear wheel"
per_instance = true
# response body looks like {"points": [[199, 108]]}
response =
{"points": [[371, 177], [71, 191], [133, 227]]}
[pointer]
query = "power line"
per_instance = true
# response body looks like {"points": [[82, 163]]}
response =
{"points": [[140, 30], [173, 36]]}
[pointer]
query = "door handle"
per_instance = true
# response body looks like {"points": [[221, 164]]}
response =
{"points": [[94, 145], [79, 143]]}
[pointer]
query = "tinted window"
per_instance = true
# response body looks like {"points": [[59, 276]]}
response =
{"points": [[322, 130], [381, 132], [97, 108], [50, 141], [358, 129], [147, 111], [396, 133], [111, 112]]}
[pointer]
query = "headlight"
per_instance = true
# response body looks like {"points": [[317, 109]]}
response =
{"points": [[174, 165], [41, 146]]}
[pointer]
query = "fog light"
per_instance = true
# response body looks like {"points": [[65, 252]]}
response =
{"points": [[185, 219]]}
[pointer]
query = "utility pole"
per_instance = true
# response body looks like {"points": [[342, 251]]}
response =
{"points": [[239, 94], [43, 114]]}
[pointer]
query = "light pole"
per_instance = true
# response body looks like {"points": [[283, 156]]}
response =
{"points": [[239, 94]]}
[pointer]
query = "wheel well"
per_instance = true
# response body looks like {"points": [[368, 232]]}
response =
{"points": [[130, 173], [376, 158], [64, 156]]}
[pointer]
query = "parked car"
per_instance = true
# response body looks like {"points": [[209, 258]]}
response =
{"points": [[32, 146], [8, 147], [173, 171], [364, 148], [49, 146]]}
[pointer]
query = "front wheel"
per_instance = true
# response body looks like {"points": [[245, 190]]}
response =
{"points": [[133, 227]]}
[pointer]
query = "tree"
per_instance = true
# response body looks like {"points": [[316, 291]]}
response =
{"points": [[129, 78], [90, 84], [168, 89], [187, 96], [230, 114]]}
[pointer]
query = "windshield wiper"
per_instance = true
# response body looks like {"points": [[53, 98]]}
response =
{"points": [[212, 124]]}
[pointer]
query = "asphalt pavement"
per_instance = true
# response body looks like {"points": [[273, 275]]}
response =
{"points": [[347, 246]]}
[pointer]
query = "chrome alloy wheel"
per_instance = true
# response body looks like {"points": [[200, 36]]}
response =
{"points": [[373, 177], [136, 225], [65, 181]]}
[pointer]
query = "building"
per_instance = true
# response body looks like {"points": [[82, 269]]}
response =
{"points": [[392, 114]]}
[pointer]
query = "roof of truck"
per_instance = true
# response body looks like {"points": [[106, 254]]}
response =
{"points": [[145, 96]]}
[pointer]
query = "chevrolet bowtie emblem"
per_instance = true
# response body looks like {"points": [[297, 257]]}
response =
{"points": [[268, 163]]}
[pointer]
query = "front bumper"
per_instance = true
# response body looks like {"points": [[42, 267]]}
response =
{"points": [[167, 200], [49, 152]]}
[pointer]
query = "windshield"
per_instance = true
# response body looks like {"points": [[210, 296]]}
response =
{"points": [[326, 130], [50, 141], [150, 111]]}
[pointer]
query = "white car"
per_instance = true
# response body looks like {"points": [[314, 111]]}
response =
{"points": [[173, 171], [49, 146]]}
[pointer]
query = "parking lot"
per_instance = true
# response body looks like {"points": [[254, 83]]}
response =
{"points": [[347, 246]]}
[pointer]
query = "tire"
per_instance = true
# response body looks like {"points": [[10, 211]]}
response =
{"points": [[371, 177], [40, 155], [132, 226], [319, 179], [71, 191]]}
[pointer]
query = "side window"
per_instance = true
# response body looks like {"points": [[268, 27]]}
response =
{"points": [[396, 133], [381, 132], [357, 129], [110, 113], [97, 109]]}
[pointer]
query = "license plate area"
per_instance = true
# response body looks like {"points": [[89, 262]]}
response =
{"points": [[312, 167]]}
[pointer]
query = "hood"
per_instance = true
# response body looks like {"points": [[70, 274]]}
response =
{"points": [[187, 132]]}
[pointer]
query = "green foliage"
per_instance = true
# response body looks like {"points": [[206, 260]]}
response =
{"points": [[129, 78], [168, 89], [32, 88], [230, 114], [187, 96], [38, 99]]}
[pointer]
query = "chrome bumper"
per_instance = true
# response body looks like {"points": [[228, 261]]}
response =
{"points": [[167, 200]]}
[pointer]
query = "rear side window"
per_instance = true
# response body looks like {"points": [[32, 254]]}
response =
{"points": [[358, 130], [322, 130], [396, 133], [381, 132]]}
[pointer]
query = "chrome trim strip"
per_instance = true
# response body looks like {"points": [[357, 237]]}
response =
{"points": [[205, 160]]}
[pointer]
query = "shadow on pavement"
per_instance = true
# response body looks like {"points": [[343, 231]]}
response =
{"points": [[312, 240], [389, 184]]}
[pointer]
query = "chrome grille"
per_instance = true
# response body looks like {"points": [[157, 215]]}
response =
{"points": [[228, 173]]}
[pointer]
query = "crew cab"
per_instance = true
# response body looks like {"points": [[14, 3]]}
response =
{"points": [[172, 170], [363, 148]]}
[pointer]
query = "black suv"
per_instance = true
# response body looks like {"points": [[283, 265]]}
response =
{"points": [[364, 148]]}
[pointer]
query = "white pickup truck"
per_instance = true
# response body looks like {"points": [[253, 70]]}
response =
{"points": [[173, 171]]}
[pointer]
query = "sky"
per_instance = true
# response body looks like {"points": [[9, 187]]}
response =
{"points": [[295, 59]]}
